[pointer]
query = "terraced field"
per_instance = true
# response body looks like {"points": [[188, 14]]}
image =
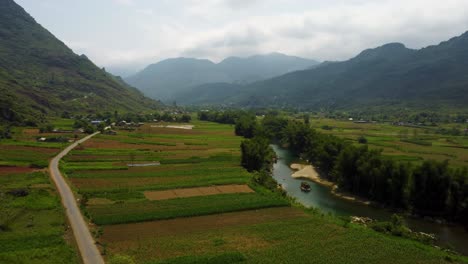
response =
{"points": [[121, 178]]}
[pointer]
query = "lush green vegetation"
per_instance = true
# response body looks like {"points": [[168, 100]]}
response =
{"points": [[40, 77], [257, 154], [403, 141], [207, 155], [430, 189], [385, 79], [112, 194], [313, 238], [130, 212], [33, 228], [32, 222]]}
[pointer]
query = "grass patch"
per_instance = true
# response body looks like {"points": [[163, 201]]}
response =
{"points": [[32, 221], [226, 258]]}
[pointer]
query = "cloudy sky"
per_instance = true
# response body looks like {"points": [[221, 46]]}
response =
{"points": [[126, 35]]}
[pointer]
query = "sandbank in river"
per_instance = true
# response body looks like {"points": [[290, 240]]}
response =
{"points": [[310, 173]]}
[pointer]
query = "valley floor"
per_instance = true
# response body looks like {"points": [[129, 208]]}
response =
{"points": [[177, 212], [197, 206]]}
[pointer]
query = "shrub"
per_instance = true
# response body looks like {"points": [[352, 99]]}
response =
{"points": [[362, 140], [263, 178]]}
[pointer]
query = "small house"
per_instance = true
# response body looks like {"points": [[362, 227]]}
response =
{"points": [[96, 122]]}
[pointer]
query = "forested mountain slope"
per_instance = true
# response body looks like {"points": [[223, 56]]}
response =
{"points": [[388, 75], [40, 75]]}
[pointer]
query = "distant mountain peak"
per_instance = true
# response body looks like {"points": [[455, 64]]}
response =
{"points": [[166, 78], [388, 51]]}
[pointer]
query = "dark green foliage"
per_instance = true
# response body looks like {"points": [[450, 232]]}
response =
{"points": [[225, 117], [395, 227], [85, 125], [40, 76], [264, 178], [431, 182], [170, 117], [362, 140], [5, 132], [46, 128], [430, 189], [390, 76], [257, 154], [246, 126]]}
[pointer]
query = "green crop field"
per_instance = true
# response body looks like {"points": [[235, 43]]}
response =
{"points": [[217, 228], [130, 212], [33, 228], [309, 239], [408, 143]]}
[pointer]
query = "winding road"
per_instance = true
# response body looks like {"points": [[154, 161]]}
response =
{"points": [[86, 244]]}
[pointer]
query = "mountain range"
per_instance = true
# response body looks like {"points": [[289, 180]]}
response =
{"points": [[166, 79], [40, 76], [390, 75]]}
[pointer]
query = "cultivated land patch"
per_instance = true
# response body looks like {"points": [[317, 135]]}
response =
{"points": [[182, 226], [200, 191], [5, 170], [187, 211], [32, 221], [413, 144]]}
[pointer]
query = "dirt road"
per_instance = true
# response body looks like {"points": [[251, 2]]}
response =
{"points": [[86, 244]]}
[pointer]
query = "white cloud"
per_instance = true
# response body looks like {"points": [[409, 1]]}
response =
{"points": [[124, 2], [148, 31]]}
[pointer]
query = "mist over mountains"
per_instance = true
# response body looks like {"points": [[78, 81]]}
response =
{"points": [[165, 79], [384, 76]]}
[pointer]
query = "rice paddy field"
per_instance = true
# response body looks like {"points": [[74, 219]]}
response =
{"points": [[406, 143], [169, 195], [33, 226]]}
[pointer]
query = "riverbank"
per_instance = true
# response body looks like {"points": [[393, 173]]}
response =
{"points": [[309, 172]]}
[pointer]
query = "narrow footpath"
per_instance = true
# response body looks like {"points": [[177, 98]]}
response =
{"points": [[86, 244]]}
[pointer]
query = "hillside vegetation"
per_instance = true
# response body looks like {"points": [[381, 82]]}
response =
{"points": [[387, 76], [40, 75]]}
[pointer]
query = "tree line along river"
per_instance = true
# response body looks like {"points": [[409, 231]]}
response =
{"points": [[451, 236]]}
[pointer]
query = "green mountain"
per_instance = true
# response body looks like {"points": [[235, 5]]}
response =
{"points": [[390, 75], [40, 76], [208, 94], [168, 78]]}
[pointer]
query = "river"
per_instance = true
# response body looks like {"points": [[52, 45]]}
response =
{"points": [[452, 236]]}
